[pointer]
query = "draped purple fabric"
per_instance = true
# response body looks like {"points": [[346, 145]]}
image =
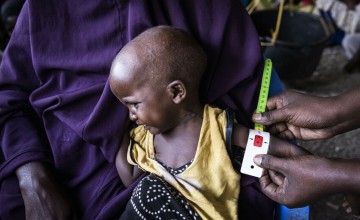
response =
{"points": [[55, 102]]}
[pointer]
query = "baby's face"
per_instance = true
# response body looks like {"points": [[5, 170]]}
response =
{"points": [[149, 103]]}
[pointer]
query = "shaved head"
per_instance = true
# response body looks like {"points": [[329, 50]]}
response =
{"points": [[160, 55]]}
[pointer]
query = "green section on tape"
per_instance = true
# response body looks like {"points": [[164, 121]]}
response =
{"points": [[264, 91]]}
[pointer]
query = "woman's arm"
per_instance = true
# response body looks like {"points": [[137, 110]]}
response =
{"points": [[44, 197]]}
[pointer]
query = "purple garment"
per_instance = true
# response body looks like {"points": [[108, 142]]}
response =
{"points": [[56, 105]]}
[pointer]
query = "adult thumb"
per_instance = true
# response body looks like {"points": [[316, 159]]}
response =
{"points": [[269, 162], [270, 117]]}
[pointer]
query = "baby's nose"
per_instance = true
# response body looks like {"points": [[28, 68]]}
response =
{"points": [[132, 116]]}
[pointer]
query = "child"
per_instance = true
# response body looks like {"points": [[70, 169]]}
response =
{"points": [[187, 144]]}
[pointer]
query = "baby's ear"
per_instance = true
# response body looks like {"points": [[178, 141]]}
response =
{"points": [[176, 89]]}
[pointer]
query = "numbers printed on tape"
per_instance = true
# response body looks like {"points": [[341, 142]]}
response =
{"points": [[258, 140], [264, 91]]}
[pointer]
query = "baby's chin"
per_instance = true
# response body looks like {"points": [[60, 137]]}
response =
{"points": [[152, 130]]}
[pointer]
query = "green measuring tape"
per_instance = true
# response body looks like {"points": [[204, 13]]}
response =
{"points": [[264, 91]]}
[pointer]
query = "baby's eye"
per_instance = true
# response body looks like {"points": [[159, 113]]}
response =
{"points": [[136, 105]]}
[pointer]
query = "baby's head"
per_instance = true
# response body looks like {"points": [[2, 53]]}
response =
{"points": [[163, 54], [163, 65]]}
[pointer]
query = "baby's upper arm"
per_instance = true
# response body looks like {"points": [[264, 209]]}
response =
{"points": [[239, 135], [127, 172], [278, 147]]}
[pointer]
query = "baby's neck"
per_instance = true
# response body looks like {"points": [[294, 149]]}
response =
{"points": [[178, 146]]}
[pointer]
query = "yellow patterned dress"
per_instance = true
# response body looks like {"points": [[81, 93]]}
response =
{"points": [[208, 183]]}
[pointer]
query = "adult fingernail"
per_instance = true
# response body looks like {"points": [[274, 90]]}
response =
{"points": [[257, 160], [257, 117]]}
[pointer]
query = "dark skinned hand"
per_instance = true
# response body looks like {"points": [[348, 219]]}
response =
{"points": [[43, 196], [301, 180], [293, 115]]}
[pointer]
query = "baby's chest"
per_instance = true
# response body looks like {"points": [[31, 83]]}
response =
{"points": [[174, 157]]}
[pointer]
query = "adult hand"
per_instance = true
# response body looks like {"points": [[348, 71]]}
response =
{"points": [[293, 115], [42, 194], [301, 180]]}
